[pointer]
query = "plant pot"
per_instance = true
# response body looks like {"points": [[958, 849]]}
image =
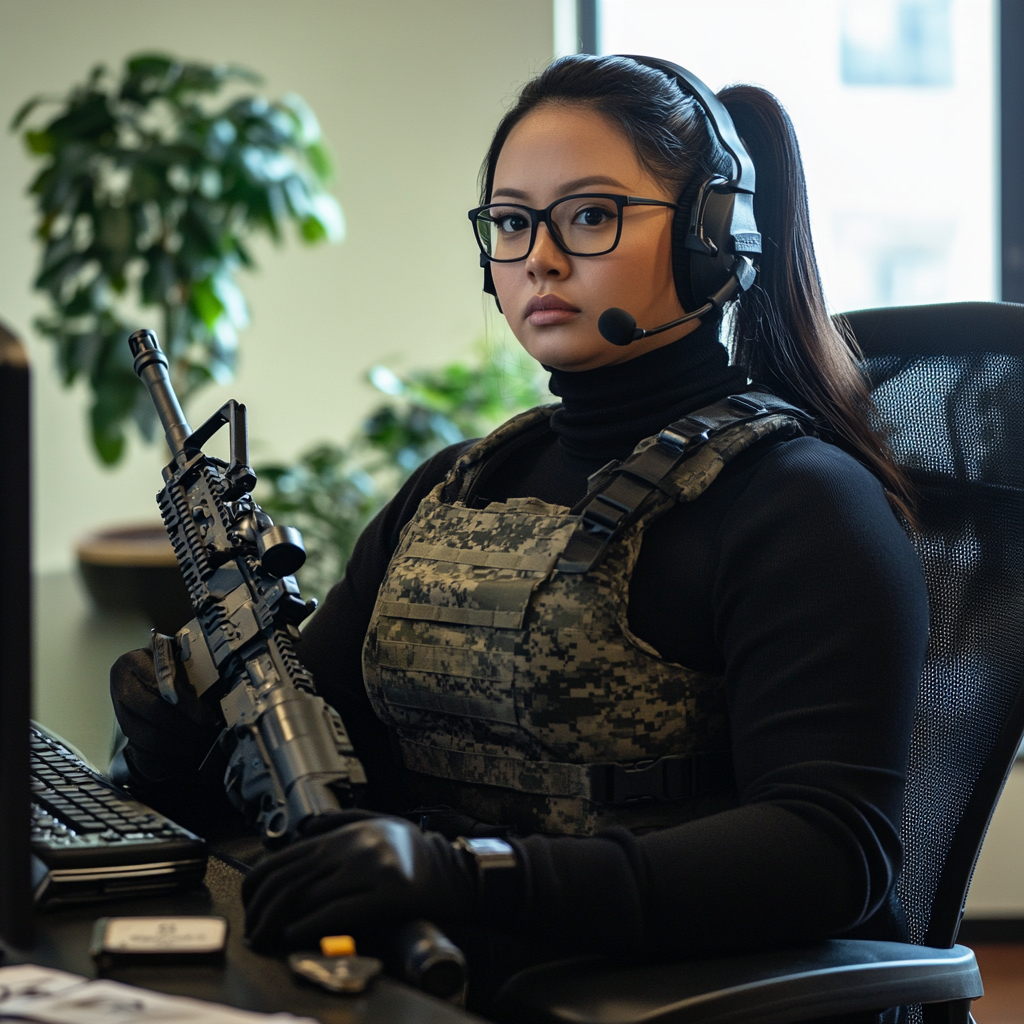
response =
{"points": [[133, 569]]}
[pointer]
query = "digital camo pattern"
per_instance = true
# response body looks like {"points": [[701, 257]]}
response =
{"points": [[504, 678]]}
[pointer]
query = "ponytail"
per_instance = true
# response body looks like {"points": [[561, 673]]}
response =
{"points": [[782, 333]]}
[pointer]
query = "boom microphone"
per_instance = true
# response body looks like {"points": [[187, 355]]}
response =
{"points": [[619, 327]]}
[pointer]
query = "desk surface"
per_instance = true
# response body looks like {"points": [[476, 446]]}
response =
{"points": [[246, 979]]}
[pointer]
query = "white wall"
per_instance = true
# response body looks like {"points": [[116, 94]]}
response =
{"points": [[997, 889], [408, 92]]}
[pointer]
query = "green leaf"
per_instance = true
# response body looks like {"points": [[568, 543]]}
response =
{"points": [[92, 299], [320, 162], [148, 76], [244, 258], [206, 302], [58, 250], [241, 74], [77, 354], [88, 119], [231, 298], [39, 142], [312, 230], [386, 380], [220, 134], [145, 183], [159, 277], [24, 110], [149, 65], [109, 444], [114, 400], [116, 233], [52, 279], [305, 119], [265, 165], [326, 220]]}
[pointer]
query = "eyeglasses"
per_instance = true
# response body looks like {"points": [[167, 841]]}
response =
{"points": [[587, 224]]}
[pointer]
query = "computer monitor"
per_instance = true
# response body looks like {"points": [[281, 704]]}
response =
{"points": [[16, 918]]}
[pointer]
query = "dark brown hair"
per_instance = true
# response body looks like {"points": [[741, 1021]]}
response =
{"points": [[781, 332]]}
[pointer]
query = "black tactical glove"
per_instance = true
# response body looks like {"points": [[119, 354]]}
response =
{"points": [[356, 879], [166, 741]]}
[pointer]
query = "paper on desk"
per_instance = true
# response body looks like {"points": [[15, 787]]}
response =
{"points": [[24, 984], [55, 997]]}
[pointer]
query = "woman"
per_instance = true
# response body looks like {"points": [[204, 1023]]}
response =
{"points": [[774, 613]]}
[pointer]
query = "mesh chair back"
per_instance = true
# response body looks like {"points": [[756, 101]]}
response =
{"points": [[948, 381]]}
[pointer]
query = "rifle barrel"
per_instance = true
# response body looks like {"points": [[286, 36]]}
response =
{"points": [[151, 366]]}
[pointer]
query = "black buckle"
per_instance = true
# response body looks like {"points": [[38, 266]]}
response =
{"points": [[747, 404], [684, 435], [666, 778], [603, 516], [673, 777]]}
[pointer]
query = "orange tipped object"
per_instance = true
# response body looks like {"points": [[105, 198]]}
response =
{"points": [[338, 945]]}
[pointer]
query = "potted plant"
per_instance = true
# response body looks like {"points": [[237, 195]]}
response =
{"points": [[330, 492], [150, 190]]}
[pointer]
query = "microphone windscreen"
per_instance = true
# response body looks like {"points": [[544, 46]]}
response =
{"points": [[617, 326]]}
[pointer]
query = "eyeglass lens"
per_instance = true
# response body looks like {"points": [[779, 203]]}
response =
{"points": [[585, 225]]}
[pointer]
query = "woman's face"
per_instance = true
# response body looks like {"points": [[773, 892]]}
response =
{"points": [[553, 301]]}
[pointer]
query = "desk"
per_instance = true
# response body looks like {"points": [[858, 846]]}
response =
{"points": [[245, 980]]}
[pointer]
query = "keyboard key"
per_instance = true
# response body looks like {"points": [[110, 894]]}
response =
{"points": [[89, 825]]}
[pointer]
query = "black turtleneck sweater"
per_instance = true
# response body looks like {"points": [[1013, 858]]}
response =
{"points": [[790, 577]]}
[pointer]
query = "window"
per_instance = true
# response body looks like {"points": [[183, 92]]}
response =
{"points": [[894, 104]]}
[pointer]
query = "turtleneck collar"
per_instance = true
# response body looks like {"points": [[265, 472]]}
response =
{"points": [[607, 411]]}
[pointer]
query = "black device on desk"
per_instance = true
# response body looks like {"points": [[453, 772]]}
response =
{"points": [[15, 643]]}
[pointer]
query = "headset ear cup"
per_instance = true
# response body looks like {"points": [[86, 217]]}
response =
{"points": [[709, 272], [489, 284], [681, 257]]}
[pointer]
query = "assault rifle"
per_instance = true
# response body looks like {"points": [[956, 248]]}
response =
{"points": [[290, 761]]}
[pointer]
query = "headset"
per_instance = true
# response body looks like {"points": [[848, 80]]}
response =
{"points": [[713, 254]]}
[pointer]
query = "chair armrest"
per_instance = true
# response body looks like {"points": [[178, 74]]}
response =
{"points": [[831, 978]]}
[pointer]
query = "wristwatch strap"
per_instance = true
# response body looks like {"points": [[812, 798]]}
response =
{"points": [[495, 863]]}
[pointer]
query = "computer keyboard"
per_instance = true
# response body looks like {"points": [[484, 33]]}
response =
{"points": [[97, 841]]}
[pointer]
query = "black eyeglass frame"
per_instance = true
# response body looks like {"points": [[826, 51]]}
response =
{"points": [[538, 217]]}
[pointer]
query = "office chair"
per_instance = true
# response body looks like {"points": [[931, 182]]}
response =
{"points": [[947, 381]]}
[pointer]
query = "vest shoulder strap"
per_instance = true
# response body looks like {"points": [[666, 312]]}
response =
{"points": [[679, 464], [494, 448]]}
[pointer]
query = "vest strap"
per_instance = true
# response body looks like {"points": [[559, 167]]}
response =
{"points": [[624, 492], [481, 559], [674, 777]]}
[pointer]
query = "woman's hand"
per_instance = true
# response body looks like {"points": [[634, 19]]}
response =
{"points": [[354, 879], [166, 741]]}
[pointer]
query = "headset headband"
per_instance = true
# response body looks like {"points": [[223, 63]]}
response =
{"points": [[743, 167]]}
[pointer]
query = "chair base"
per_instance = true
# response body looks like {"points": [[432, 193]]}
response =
{"points": [[839, 978]]}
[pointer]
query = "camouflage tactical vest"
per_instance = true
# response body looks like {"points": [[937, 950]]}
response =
{"points": [[500, 654]]}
